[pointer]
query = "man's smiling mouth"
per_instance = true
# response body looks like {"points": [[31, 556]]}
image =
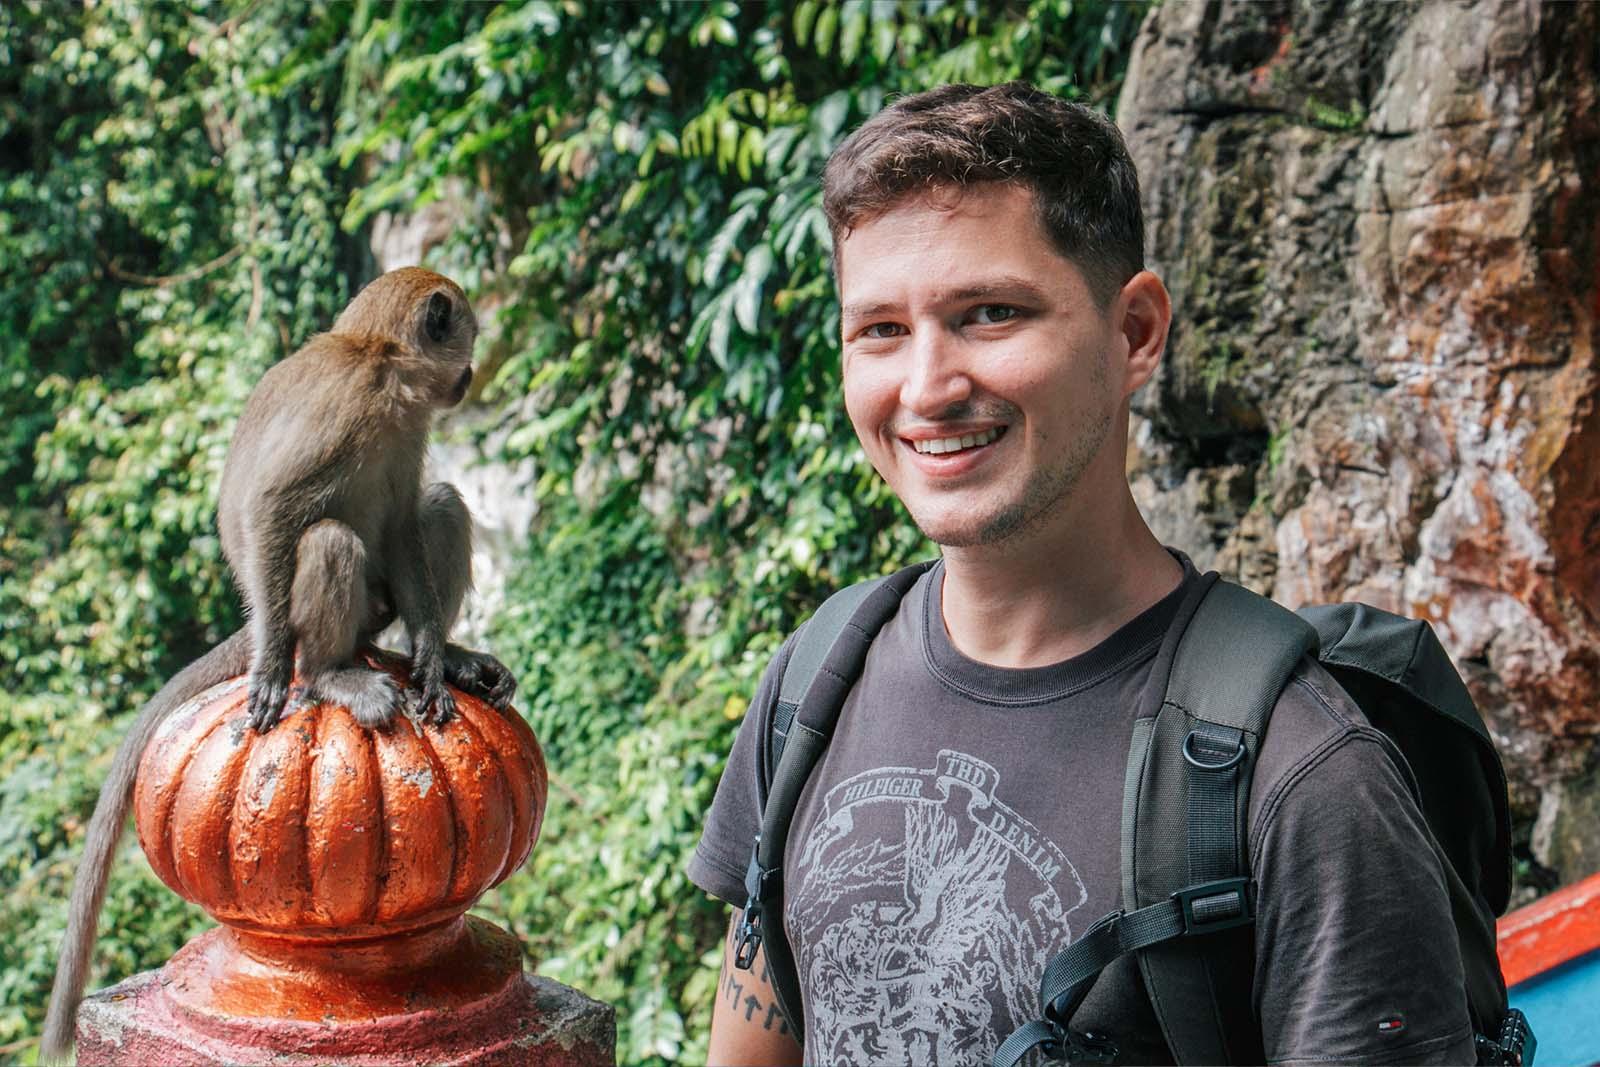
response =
{"points": [[940, 445]]}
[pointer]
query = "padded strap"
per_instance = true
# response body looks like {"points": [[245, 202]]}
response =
{"points": [[1235, 657], [829, 654], [1231, 662], [827, 660], [811, 647]]}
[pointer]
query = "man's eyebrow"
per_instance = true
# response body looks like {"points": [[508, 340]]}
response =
{"points": [[866, 311], [1006, 287]]}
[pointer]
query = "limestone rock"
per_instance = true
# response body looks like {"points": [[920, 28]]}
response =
{"points": [[1378, 226]]}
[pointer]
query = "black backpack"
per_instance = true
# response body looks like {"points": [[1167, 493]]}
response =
{"points": [[1188, 899]]}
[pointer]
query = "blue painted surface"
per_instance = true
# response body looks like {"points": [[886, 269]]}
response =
{"points": [[1563, 1006]]}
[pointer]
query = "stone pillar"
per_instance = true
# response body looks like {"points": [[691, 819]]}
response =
{"points": [[340, 863], [530, 1022]]}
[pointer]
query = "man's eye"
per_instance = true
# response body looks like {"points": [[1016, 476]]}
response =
{"points": [[880, 330], [991, 314]]}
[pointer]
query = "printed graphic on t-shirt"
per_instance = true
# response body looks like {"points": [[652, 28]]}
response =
{"points": [[931, 908]]}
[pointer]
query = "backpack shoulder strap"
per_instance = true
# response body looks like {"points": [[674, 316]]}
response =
{"points": [[1228, 655], [830, 650], [1185, 809], [812, 643]]}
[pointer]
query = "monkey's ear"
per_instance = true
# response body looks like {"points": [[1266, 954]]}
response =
{"points": [[437, 322]]}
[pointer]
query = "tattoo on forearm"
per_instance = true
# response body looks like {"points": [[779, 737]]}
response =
{"points": [[737, 996], [732, 989]]}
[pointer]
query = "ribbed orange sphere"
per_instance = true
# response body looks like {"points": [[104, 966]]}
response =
{"points": [[322, 829]]}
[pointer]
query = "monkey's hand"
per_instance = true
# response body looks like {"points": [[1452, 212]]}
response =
{"points": [[480, 674], [269, 692]]}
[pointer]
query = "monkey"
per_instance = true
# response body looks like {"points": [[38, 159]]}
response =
{"points": [[330, 536]]}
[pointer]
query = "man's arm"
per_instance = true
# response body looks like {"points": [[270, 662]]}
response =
{"points": [[1357, 959], [747, 1029]]}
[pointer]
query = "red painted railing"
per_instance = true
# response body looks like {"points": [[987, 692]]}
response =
{"points": [[1551, 931]]}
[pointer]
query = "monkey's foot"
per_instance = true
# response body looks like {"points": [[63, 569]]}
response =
{"points": [[434, 703], [268, 694], [373, 697], [480, 674]]}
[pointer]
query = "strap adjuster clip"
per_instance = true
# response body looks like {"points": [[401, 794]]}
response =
{"points": [[1515, 1045], [760, 885], [1214, 906], [749, 934], [1072, 1046]]}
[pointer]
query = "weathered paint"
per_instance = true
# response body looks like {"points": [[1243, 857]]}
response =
{"points": [[531, 1022], [1550, 954], [1550, 931], [322, 829]]}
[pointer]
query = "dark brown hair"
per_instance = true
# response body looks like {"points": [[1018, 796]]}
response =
{"points": [[1070, 156]]}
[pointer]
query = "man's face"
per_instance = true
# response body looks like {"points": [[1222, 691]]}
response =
{"points": [[982, 379]]}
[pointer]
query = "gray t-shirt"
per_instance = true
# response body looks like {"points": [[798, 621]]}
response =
{"points": [[963, 828]]}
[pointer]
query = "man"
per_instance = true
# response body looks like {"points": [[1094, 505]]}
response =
{"points": [[963, 826]]}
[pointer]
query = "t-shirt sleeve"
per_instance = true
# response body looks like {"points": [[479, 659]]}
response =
{"points": [[719, 860], [1356, 953]]}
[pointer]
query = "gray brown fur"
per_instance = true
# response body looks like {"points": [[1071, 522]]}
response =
{"points": [[330, 536]]}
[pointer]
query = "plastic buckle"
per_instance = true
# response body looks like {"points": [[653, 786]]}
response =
{"points": [[1073, 1046], [749, 932], [1214, 906], [759, 885], [1085, 1047], [1516, 1045]]}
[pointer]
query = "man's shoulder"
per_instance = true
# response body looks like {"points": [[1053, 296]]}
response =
{"points": [[1316, 731]]}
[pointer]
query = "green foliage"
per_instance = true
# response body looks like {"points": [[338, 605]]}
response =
{"points": [[1333, 118], [634, 188]]}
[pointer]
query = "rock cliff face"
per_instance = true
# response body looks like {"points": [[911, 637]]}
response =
{"points": [[1380, 226]]}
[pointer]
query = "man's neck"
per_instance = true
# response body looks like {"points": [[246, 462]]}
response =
{"points": [[1049, 594]]}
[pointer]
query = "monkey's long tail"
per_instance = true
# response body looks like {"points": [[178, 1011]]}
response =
{"points": [[228, 660]]}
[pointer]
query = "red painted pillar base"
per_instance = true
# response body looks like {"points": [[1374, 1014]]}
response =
{"points": [[168, 1017]]}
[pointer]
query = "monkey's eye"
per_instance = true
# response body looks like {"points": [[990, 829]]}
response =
{"points": [[438, 319]]}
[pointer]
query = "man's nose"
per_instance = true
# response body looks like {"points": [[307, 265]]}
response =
{"points": [[938, 377]]}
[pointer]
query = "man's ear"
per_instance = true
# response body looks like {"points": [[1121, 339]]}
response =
{"points": [[1142, 313]]}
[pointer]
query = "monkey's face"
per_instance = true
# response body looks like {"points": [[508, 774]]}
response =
{"points": [[430, 315], [446, 332]]}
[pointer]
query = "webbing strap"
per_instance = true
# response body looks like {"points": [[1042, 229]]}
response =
{"points": [[1213, 757], [782, 722], [1024, 1039], [1069, 976], [1197, 909]]}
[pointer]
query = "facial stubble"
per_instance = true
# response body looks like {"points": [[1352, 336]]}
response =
{"points": [[1046, 492]]}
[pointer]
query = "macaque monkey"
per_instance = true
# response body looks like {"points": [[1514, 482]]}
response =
{"points": [[330, 535]]}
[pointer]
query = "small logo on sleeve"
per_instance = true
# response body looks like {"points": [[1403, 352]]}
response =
{"points": [[1394, 1024]]}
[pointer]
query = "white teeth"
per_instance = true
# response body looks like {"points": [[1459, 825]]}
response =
{"points": [[955, 444]]}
